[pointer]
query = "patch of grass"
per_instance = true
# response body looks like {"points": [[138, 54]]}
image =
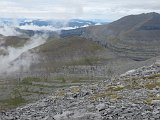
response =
{"points": [[77, 79], [42, 86], [62, 79], [150, 100], [84, 61], [39, 92], [152, 85], [115, 88], [98, 96], [115, 97], [152, 76], [12, 102], [110, 95], [29, 80], [147, 102], [15, 41], [134, 86], [75, 89], [60, 93]]}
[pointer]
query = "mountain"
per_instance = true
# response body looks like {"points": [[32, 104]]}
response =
{"points": [[135, 36], [37, 65], [58, 52]]}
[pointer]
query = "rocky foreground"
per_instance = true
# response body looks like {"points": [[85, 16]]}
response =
{"points": [[134, 95]]}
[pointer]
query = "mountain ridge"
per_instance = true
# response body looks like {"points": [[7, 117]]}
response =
{"points": [[127, 34]]}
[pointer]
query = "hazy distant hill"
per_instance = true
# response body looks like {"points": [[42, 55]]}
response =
{"points": [[38, 24], [60, 23]]}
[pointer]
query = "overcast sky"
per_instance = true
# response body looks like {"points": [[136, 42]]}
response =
{"points": [[68, 9]]}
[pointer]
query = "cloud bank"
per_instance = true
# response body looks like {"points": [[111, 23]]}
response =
{"points": [[48, 28]]}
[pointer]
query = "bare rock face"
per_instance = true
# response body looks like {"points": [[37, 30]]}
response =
{"points": [[134, 36]]}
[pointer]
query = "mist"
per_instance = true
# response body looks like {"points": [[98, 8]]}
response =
{"points": [[20, 59], [45, 28], [12, 61], [6, 30]]}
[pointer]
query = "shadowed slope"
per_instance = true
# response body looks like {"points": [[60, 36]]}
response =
{"points": [[134, 36]]}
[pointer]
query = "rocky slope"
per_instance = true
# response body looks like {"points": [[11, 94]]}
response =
{"points": [[134, 36], [134, 95]]}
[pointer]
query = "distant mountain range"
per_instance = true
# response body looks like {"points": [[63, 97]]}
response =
{"points": [[51, 25]]}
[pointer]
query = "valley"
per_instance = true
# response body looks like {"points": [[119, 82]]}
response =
{"points": [[87, 63]]}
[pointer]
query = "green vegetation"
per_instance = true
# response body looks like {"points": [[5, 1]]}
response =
{"points": [[21, 91], [77, 79], [16, 99], [115, 88], [98, 96], [15, 41], [152, 85], [12, 102], [75, 89], [155, 76], [60, 93], [102, 95], [150, 100], [68, 52], [30, 80], [84, 61]]}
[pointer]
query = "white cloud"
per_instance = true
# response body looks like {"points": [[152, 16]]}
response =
{"points": [[8, 31], [45, 28], [12, 62], [67, 9]]}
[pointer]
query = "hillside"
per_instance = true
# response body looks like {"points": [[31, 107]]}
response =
{"points": [[134, 36], [77, 57], [60, 63], [67, 51], [133, 95]]}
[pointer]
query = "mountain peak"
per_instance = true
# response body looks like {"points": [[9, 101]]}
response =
{"points": [[152, 13]]}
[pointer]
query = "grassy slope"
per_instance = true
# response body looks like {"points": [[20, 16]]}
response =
{"points": [[68, 51]]}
